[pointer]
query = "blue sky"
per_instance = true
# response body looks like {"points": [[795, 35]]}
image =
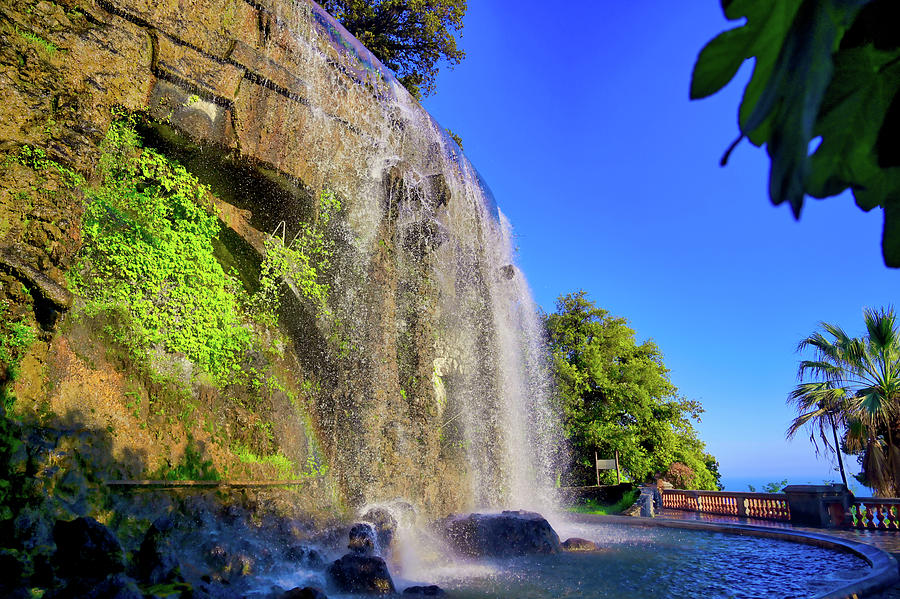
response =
{"points": [[580, 122]]}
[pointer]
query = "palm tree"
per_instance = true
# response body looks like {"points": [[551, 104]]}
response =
{"points": [[857, 386], [823, 407]]}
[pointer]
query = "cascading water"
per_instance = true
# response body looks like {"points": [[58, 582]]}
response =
{"points": [[456, 410]]}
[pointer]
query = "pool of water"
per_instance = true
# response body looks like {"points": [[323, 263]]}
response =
{"points": [[658, 562], [632, 561]]}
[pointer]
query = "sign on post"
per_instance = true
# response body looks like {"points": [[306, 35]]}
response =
{"points": [[612, 464]]}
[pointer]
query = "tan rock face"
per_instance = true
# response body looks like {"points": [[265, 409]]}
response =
{"points": [[273, 86]]}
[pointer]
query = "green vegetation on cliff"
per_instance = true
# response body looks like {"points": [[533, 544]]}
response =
{"points": [[15, 337], [147, 255], [180, 346], [148, 263], [616, 395], [297, 264]]}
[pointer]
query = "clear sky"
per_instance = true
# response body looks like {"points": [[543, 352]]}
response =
{"points": [[580, 122]]}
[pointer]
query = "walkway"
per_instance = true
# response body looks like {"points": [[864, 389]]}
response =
{"points": [[883, 539]]}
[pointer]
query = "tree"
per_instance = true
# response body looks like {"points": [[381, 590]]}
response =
{"points": [[826, 69], [616, 395], [823, 407], [859, 381], [408, 36]]}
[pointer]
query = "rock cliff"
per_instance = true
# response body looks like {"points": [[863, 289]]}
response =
{"points": [[268, 103]]}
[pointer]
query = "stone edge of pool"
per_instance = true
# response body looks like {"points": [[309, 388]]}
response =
{"points": [[884, 567]]}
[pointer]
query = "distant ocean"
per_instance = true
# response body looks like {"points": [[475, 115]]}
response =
{"points": [[738, 483]]}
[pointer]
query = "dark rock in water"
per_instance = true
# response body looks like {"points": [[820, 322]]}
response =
{"points": [[431, 590], [576, 544], [156, 561], [115, 586], [499, 535], [87, 549], [361, 574], [305, 556], [228, 564], [385, 525], [15, 566], [509, 271], [362, 539], [304, 593]]}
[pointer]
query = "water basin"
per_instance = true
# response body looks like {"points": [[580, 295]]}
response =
{"points": [[659, 562]]}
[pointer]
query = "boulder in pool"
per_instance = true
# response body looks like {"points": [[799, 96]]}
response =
{"points": [[577, 544], [304, 593], [507, 534], [86, 549], [356, 573], [431, 590], [362, 539]]}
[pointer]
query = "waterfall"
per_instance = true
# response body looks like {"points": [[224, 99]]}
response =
{"points": [[450, 401]]}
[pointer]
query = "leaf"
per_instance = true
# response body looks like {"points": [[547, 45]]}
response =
{"points": [[719, 60], [890, 238], [775, 25], [767, 23], [849, 122], [790, 101]]}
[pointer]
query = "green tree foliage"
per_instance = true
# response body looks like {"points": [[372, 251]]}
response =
{"points": [[859, 382], [616, 396], [826, 69], [771, 487], [408, 36]]}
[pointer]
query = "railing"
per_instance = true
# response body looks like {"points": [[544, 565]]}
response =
{"points": [[871, 513], [764, 506]]}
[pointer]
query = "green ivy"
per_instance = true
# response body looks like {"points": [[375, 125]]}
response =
{"points": [[148, 258], [298, 264], [37, 159], [49, 47], [283, 466], [15, 337]]}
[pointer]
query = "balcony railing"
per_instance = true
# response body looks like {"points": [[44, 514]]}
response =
{"points": [[869, 513], [763, 506], [837, 511]]}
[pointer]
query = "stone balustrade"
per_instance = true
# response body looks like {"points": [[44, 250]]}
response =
{"points": [[868, 513], [765, 506], [830, 506]]}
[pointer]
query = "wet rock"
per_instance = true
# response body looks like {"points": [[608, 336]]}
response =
{"points": [[52, 290], [431, 590], [506, 534], [385, 525], [156, 561], [227, 564], [304, 593], [32, 528], [115, 586], [577, 544], [440, 190], [85, 548], [362, 539], [361, 574], [16, 568], [305, 556]]}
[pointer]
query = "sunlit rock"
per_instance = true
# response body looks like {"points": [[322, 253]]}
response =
{"points": [[506, 534]]}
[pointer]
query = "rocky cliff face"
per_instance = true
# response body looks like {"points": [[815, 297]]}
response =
{"points": [[269, 102]]}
